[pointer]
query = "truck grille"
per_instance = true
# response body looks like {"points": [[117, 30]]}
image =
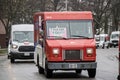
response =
{"points": [[72, 54], [26, 48]]}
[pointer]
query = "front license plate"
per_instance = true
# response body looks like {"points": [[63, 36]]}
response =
{"points": [[72, 65], [26, 54]]}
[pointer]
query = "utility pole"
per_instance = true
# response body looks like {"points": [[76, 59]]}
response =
{"points": [[66, 5]]}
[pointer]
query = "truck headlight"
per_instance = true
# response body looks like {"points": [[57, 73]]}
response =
{"points": [[14, 46], [89, 50], [55, 51]]}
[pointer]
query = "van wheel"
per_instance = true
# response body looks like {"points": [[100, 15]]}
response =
{"points": [[103, 46], [114, 46], [79, 71], [48, 72], [107, 46], [12, 60], [91, 73], [8, 56], [38, 60]]}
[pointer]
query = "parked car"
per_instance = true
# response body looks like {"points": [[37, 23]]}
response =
{"points": [[119, 59], [114, 38], [97, 38], [102, 41]]}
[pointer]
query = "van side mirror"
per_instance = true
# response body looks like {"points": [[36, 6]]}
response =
{"points": [[10, 42]]}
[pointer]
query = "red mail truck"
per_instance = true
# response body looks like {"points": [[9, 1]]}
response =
{"points": [[64, 41]]}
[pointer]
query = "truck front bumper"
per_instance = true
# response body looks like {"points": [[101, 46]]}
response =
{"points": [[72, 66]]}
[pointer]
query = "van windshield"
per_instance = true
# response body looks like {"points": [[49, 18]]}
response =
{"points": [[115, 36], [69, 29], [23, 36]]}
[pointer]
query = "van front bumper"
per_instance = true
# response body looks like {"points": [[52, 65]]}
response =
{"points": [[72, 66], [26, 55]]}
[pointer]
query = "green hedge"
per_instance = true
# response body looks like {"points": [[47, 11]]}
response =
{"points": [[3, 51]]}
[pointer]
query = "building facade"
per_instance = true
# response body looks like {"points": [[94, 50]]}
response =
{"points": [[2, 36]]}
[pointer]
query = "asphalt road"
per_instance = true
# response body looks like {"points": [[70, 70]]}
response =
{"points": [[107, 69]]}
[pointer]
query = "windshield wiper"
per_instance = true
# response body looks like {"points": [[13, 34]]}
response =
{"points": [[80, 36], [57, 37]]}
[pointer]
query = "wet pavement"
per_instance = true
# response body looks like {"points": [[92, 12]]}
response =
{"points": [[107, 69]]}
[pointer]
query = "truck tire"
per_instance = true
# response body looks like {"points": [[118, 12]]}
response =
{"points": [[79, 71], [37, 60], [48, 73], [40, 70], [91, 73]]}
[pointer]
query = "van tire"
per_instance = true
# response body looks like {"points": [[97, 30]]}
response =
{"points": [[91, 73], [48, 73], [79, 71], [12, 60]]}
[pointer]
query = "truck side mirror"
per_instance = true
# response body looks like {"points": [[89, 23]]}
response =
{"points": [[41, 32]]}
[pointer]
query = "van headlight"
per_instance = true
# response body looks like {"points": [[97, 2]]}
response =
{"points": [[89, 50], [14, 46], [56, 51]]}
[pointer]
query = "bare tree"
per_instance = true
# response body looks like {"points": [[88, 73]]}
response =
{"points": [[115, 14]]}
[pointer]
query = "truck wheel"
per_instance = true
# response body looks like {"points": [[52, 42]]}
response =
{"points": [[40, 70], [79, 71], [48, 72], [118, 78], [12, 60], [37, 60], [91, 73]]}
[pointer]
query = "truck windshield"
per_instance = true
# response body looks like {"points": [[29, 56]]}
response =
{"points": [[23, 36], [69, 29]]}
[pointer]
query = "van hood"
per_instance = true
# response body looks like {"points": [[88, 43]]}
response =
{"points": [[23, 44], [73, 43]]}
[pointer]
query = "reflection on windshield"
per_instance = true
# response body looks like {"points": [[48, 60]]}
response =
{"points": [[23, 36], [70, 29]]}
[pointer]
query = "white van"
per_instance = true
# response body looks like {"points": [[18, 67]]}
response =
{"points": [[102, 41], [114, 38], [21, 44]]}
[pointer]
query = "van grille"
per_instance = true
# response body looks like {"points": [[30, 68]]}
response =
{"points": [[115, 41], [72, 54], [26, 48]]}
